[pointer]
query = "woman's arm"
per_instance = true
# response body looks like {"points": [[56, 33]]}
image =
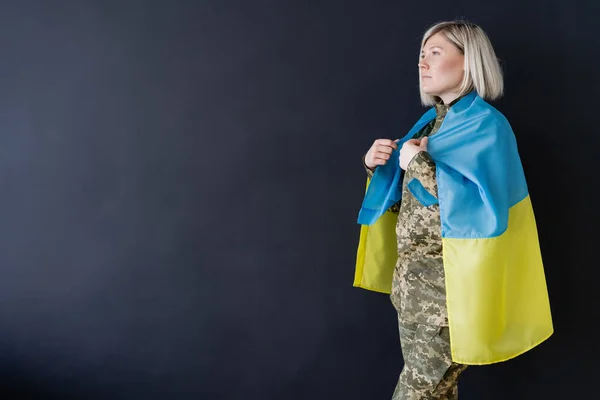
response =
{"points": [[370, 171], [422, 168], [396, 207]]}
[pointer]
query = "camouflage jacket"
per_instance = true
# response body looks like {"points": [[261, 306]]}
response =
{"points": [[418, 289]]}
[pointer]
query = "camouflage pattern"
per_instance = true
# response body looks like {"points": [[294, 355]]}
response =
{"points": [[418, 285], [429, 372]]}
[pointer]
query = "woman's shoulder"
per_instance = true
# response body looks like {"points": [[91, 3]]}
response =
{"points": [[489, 113]]}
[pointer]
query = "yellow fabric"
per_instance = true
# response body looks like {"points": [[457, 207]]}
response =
{"points": [[498, 306], [496, 292], [376, 256]]}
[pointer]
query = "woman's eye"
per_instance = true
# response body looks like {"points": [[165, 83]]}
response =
{"points": [[436, 53]]}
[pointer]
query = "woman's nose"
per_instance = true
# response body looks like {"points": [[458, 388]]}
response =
{"points": [[423, 65]]}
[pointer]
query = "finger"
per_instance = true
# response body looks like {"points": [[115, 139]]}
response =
{"points": [[413, 141], [387, 142], [384, 149], [382, 155], [377, 159]]}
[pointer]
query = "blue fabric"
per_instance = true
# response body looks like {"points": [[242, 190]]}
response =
{"points": [[479, 172], [383, 192], [421, 194]]}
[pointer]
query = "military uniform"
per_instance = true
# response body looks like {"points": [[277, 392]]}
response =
{"points": [[418, 285]]}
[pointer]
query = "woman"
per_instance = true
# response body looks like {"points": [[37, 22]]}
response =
{"points": [[468, 281]]}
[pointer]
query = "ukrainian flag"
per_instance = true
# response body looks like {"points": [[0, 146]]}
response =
{"points": [[496, 294]]}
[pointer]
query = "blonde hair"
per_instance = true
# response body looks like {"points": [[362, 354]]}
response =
{"points": [[482, 69]]}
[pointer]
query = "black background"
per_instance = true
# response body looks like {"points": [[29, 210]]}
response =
{"points": [[180, 182]]}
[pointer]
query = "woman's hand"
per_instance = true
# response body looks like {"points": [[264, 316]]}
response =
{"points": [[380, 152], [410, 149]]}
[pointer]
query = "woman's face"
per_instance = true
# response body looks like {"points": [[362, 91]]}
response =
{"points": [[441, 68]]}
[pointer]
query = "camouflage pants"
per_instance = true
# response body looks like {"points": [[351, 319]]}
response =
{"points": [[428, 373]]}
